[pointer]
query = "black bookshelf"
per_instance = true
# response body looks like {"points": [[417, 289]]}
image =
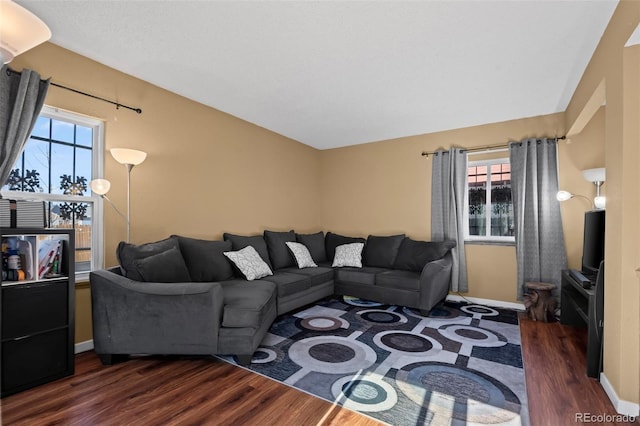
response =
{"points": [[37, 317]]}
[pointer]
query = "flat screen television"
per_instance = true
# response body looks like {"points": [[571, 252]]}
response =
{"points": [[593, 244]]}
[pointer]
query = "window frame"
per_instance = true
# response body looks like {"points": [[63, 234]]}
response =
{"points": [[484, 238], [97, 170]]}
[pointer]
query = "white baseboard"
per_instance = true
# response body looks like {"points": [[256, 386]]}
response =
{"points": [[623, 407], [85, 346], [487, 302]]}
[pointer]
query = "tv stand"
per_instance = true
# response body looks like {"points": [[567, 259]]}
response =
{"points": [[578, 308]]}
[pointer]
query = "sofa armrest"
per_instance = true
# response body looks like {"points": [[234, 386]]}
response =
{"points": [[132, 317], [434, 282]]}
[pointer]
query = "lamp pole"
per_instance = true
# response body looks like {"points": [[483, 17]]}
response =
{"points": [[129, 168]]}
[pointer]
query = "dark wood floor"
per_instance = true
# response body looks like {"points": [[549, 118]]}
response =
{"points": [[178, 391]]}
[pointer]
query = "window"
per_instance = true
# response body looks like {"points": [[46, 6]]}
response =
{"points": [[490, 212], [63, 154]]}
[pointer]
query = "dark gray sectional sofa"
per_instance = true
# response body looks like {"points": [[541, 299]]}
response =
{"points": [[184, 296]]}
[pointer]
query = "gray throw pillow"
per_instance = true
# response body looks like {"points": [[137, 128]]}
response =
{"points": [[278, 251], [249, 262], [315, 245], [165, 267], [334, 240], [205, 259], [413, 255], [128, 253], [238, 242], [348, 255], [301, 254], [381, 252]]}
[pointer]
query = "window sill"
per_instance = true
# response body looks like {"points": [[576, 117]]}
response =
{"points": [[82, 277], [488, 242]]}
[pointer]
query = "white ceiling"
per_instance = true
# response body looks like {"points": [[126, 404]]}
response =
{"points": [[338, 73]]}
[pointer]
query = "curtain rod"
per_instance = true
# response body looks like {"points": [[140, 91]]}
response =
{"points": [[487, 148], [117, 104]]}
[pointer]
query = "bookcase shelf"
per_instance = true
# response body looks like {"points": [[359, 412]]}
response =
{"points": [[37, 314]]}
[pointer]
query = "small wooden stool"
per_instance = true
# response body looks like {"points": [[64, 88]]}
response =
{"points": [[540, 303]]}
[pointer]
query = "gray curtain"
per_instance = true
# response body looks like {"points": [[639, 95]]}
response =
{"points": [[448, 186], [540, 249], [21, 98]]}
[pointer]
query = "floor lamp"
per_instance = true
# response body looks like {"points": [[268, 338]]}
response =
{"points": [[130, 158]]}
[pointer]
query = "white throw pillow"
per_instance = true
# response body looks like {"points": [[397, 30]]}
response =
{"points": [[349, 255], [249, 262], [301, 254]]}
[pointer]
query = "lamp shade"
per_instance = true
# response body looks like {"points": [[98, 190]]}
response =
{"points": [[594, 175], [128, 156], [563, 195], [100, 186], [20, 30]]}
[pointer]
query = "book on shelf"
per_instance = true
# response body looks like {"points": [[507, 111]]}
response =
{"points": [[50, 258]]}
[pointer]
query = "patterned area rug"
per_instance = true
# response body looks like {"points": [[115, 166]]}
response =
{"points": [[460, 365]]}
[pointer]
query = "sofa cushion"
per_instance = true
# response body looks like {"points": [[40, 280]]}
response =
{"points": [[332, 241], [278, 252], [249, 262], [382, 251], [348, 255], [205, 259], [288, 283], [165, 267], [319, 275], [366, 275], [413, 255], [315, 245], [246, 303], [128, 254], [239, 242], [301, 255], [403, 280]]}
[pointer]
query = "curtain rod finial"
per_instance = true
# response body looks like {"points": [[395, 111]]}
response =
{"points": [[425, 154]]}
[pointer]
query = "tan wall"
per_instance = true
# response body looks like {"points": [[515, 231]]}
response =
{"points": [[580, 152], [206, 173], [612, 77], [385, 187]]}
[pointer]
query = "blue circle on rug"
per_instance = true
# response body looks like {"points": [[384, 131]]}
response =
{"points": [[368, 393], [331, 352], [364, 392], [473, 394]]}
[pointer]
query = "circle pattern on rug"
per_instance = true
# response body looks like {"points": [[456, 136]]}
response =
{"points": [[354, 301], [332, 354], [479, 310], [471, 395], [407, 343], [475, 336], [367, 394], [321, 323], [379, 316], [263, 356]]}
